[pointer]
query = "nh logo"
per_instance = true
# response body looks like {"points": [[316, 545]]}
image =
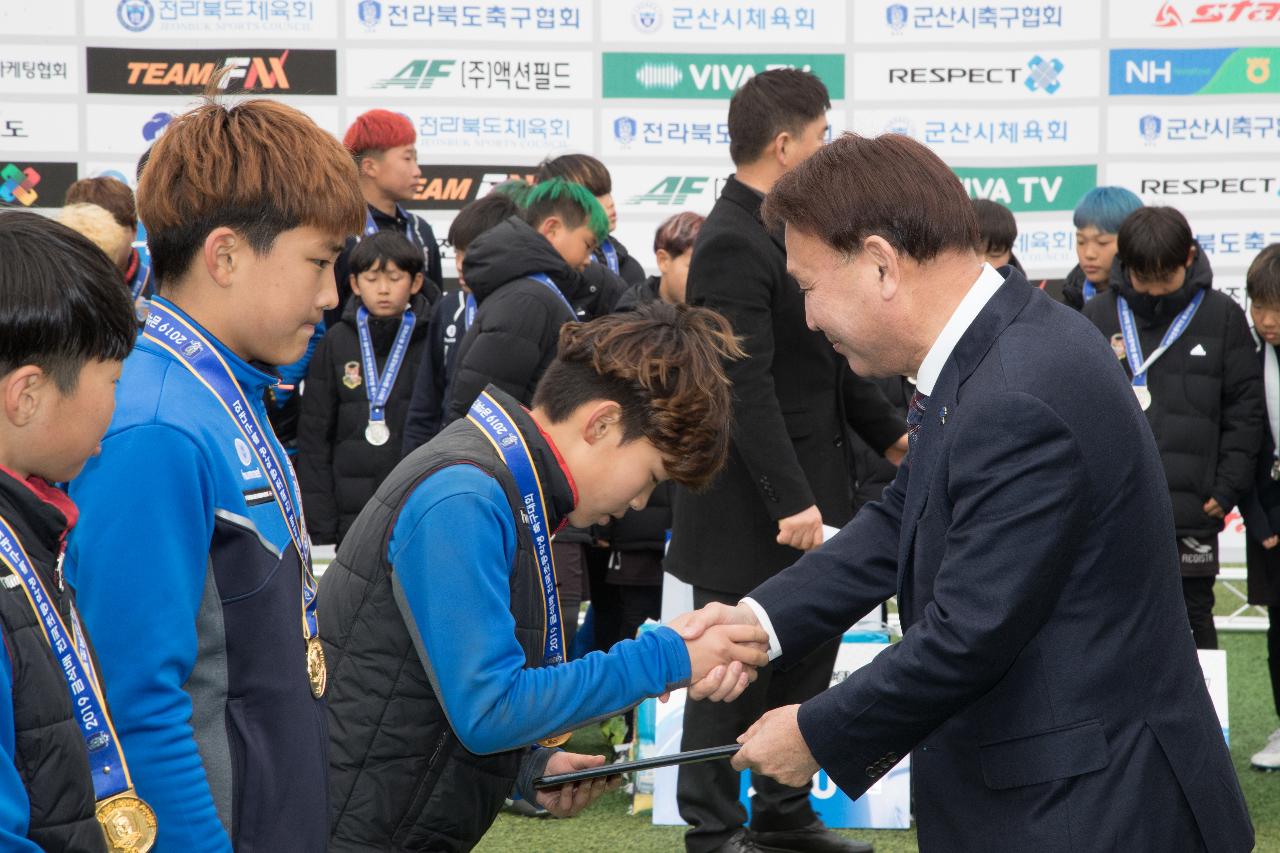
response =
{"points": [[418, 74], [1148, 71]]}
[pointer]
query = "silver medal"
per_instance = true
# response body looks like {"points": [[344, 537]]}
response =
{"points": [[1275, 470], [377, 433], [1144, 396]]}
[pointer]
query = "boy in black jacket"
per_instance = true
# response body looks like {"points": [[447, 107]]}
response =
{"points": [[1261, 507], [66, 325], [450, 319], [1194, 371], [592, 174], [358, 386]]}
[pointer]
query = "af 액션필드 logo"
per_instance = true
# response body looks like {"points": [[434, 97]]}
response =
{"points": [[418, 74], [673, 190], [135, 15], [1045, 75]]}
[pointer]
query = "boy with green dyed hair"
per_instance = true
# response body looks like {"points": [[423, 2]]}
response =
{"points": [[530, 275]]}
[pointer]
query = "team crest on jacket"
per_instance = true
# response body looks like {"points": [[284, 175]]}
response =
{"points": [[351, 375], [1117, 345]]}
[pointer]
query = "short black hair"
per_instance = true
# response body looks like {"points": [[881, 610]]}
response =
{"points": [[478, 217], [780, 100], [62, 302], [579, 168], [1153, 242], [1262, 282], [373, 253], [997, 229]]}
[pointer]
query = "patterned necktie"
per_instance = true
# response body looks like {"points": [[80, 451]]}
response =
{"points": [[915, 416]]}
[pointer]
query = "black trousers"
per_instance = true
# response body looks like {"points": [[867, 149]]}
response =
{"points": [[1273, 657], [1198, 595], [708, 792]]}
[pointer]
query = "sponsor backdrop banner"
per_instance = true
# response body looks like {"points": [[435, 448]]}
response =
{"points": [[1032, 104]]}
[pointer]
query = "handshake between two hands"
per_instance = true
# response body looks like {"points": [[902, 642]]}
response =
{"points": [[726, 646]]}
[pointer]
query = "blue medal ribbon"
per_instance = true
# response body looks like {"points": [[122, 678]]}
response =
{"points": [[1133, 347], [410, 232], [469, 315], [546, 279], [498, 426], [378, 388], [610, 255], [106, 758], [190, 348], [1090, 290]]}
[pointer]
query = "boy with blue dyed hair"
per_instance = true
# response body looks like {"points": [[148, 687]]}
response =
{"points": [[1097, 219]]}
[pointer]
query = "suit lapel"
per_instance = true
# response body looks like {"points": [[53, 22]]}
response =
{"points": [[969, 352]]}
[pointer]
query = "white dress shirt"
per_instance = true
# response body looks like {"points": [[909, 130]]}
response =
{"points": [[977, 297]]}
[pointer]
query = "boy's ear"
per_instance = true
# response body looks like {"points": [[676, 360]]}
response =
{"points": [[220, 253], [603, 417], [355, 284], [21, 391], [369, 164], [550, 226], [417, 284]]}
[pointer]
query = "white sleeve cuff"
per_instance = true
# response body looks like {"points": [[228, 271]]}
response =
{"points": [[775, 648]]}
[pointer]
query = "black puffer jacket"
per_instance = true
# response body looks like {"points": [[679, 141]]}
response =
{"points": [[1207, 407], [1073, 288], [338, 469], [518, 318], [49, 749], [629, 269]]}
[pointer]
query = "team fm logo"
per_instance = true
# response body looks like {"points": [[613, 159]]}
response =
{"points": [[1168, 15], [243, 72]]}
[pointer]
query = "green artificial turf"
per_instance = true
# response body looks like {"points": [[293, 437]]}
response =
{"points": [[606, 826]]}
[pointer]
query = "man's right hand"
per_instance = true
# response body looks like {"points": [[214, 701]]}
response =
{"points": [[802, 531], [725, 682]]}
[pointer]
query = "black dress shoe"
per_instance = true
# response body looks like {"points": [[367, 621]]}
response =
{"points": [[739, 842], [814, 838]]}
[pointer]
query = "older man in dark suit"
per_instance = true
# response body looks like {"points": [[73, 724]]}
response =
{"points": [[787, 474], [1046, 682]]}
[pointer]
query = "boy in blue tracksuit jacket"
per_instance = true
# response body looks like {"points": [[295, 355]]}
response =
{"points": [[447, 649], [193, 562]]}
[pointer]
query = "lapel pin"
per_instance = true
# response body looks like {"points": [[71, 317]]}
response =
{"points": [[943, 415]]}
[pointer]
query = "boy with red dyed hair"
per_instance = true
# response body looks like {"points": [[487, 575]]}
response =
{"points": [[384, 146]]}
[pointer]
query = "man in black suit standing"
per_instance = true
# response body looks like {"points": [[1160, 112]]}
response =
{"points": [[787, 473], [1046, 680]]}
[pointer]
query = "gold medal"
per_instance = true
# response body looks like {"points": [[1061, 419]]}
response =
{"points": [[555, 740], [317, 671], [128, 823]]}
